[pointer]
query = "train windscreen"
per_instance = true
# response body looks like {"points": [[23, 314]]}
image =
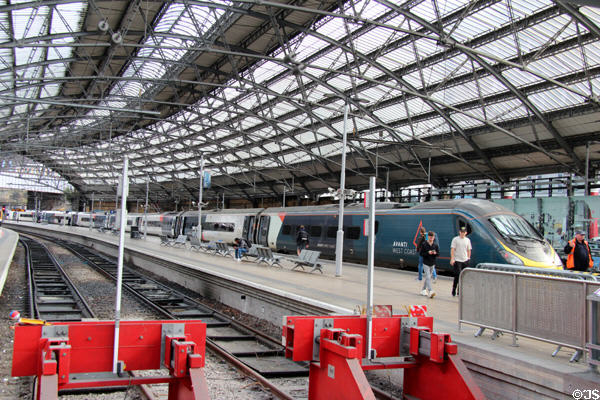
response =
{"points": [[514, 227]]}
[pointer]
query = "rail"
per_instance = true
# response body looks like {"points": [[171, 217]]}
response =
{"points": [[536, 303]]}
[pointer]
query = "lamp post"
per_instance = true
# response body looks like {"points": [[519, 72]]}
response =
{"points": [[339, 241], [199, 228], [146, 208]]}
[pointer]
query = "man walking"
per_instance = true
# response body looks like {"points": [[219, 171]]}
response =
{"points": [[429, 251], [301, 239], [579, 256], [460, 254]]}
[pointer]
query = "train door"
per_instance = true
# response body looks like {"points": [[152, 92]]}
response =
{"points": [[263, 230], [248, 230]]}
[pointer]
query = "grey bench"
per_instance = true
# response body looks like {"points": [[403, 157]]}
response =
{"points": [[222, 249], [309, 258], [166, 241], [265, 254], [181, 241], [196, 244], [252, 252]]}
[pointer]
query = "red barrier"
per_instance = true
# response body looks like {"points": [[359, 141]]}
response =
{"points": [[335, 347], [59, 354]]}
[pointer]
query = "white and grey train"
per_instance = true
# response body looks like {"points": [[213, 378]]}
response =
{"points": [[499, 235]]}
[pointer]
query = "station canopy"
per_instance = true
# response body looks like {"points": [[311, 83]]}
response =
{"points": [[435, 91]]}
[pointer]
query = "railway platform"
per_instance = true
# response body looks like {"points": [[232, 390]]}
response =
{"points": [[8, 243], [502, 370]]}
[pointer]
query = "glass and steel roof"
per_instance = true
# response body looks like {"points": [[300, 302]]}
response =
{"points": [[436, 91]]}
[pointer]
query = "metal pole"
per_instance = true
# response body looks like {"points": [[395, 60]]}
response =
{"points": [[199, 228], [124, 189], [92, 212], [587, 169], [146, 208], [339, 242], [284, 196], [370, 267]]}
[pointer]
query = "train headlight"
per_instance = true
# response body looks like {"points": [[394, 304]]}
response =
{"points": [[557, 261], [512, 259]]}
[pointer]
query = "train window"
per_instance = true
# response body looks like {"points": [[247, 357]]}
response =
{"points": [[353, 232], [286, 230], [315, 231], [509, 225], [331, 231]]}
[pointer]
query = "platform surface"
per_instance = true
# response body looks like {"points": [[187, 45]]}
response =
{"points": [[8, 244], [348, 292]]}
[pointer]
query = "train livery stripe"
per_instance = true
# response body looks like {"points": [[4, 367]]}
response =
{"points": [[528, 262]]}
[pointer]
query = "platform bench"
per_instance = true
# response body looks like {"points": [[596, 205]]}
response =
{"points": [[309, 258], [181, 241], [265, 254], [252, 252], [166, 241], [222, 249]]}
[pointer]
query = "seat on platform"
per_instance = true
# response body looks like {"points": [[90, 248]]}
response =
{"points": [[265, 254], [222, 249], [252, 252], [309, 258], [181, 241], [166, 241]]}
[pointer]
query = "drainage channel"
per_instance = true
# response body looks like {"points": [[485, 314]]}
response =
{"points": [[250, 348], [52, 295]]}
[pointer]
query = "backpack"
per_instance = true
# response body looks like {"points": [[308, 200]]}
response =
{"points": [[303, 235]]}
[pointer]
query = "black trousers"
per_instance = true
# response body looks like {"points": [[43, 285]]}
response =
{"points": [[458, 266]]}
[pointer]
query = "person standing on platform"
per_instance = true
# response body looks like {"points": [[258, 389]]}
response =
{"points": [[301, 239], [579, 256], [422, 239], [460, 254], [429, 251]]}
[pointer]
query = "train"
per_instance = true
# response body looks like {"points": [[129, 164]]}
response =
{"points": [[497, 234]]}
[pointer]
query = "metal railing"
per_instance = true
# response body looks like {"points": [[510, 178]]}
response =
{"points": [[547, 305]]}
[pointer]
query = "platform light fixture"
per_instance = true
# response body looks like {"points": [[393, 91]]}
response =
{"points": [[339, 242]]}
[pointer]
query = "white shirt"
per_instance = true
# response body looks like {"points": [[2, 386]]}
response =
{"points": [[461, 248]]}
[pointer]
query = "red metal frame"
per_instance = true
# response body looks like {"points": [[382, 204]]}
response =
{"points": [[87, 347], [432, 368]]}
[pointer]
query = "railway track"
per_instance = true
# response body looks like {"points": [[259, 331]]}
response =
{"points": [[51, 294], [251, 351], [248, 349]]}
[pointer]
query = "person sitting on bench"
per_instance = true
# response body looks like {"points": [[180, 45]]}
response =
{"points": [[241, 246]]}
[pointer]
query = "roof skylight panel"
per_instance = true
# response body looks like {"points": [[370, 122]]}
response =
{"points": [[504, 48], [413, 79], [424, 10], [391, 113], [524, 8], [559, 64], [371, 40], [426, 47], [555, 99], [331, 60], [282, 85], [505, 111], [467, 120], [456, 94], [309, 45], [397, 58], [267, 70], [334, 29], [592, 13]]}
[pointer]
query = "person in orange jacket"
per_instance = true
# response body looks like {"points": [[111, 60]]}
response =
{"points": [[579, 256]]}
